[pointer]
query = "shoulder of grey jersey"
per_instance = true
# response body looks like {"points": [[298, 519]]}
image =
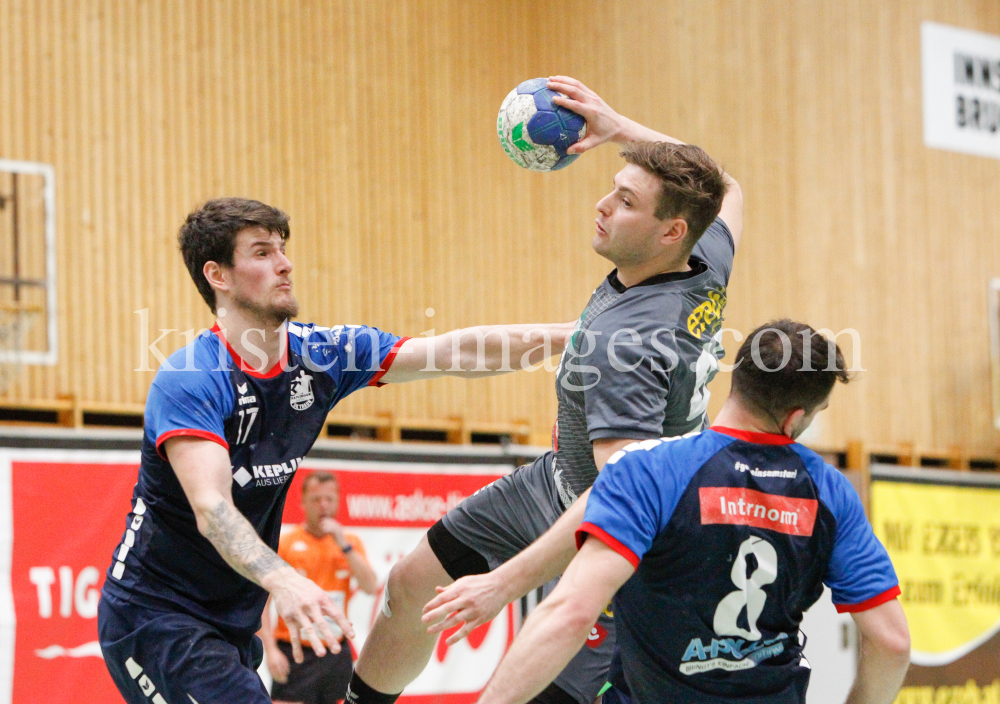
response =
{"points": [[717, 248]]}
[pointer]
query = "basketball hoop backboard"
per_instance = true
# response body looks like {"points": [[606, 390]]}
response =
{"points": [[28, 316]]}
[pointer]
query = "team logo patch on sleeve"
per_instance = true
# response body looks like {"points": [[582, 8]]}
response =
{"points": [[746, 507]]}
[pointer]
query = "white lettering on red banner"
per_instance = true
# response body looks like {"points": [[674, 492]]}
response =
{"points": [[394, 499], [404, 508], [58, 562], [746, 507]]}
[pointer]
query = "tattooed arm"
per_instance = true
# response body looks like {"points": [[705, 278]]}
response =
{"points": [[204, 471]]}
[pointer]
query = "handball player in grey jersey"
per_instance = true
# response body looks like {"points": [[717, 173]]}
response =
{"points": [[636, 368]]}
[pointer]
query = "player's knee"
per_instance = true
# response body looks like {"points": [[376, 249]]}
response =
{"points": [[404, 587], [412, 581]]}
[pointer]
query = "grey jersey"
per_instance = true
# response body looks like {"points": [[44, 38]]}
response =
{"points": [[640, 359]]}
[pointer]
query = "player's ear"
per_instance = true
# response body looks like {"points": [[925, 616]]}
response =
{"points": [[792, 422], [216, 276], [674, 231]]}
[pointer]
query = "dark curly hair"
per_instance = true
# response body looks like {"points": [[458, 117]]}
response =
{"points": [[784, 365], [209, 235]]}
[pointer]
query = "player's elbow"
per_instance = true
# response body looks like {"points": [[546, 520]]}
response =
{"points": [[894, 642], [576, 616], [582, 623], [478, 356], [207, 510], [891, 640], [203, 519], [733, 188]]}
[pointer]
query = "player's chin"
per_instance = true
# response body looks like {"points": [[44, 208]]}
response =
{"points": [[285, 308], [601, 244]]}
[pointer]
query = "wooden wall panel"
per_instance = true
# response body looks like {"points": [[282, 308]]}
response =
{"points": [[372, 124]]}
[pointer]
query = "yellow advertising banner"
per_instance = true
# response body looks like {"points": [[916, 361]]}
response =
{"points": [[944, 541]]}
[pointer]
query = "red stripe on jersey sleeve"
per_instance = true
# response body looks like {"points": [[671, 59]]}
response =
{"points": [[887, 595], [602, 535], [386, 363], [190, 432]]}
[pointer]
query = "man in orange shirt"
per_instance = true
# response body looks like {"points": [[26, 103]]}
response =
{"points": [[320, 550]]}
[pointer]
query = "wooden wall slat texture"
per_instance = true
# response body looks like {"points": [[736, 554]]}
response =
{"points": [[372, 124]]}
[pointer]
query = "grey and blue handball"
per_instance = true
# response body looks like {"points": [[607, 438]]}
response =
{"points": [[534, 131]]}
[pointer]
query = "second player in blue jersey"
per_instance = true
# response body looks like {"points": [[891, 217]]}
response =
{"points": [[713, 545]]}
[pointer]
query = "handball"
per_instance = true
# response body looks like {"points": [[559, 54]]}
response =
{"points": [[534, 131]]}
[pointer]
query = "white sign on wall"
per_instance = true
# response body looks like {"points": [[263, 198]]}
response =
{"points": [[961, 75]]}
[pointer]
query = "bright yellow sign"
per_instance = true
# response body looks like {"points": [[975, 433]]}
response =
{"points": [[944, 542]]}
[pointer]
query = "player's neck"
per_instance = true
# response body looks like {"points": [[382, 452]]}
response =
{"points": [[250, 337], [631, 274], [733, 415]]}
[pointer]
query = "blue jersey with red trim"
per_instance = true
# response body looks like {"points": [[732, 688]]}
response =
{"points": [[267, 422], [733, 536]]}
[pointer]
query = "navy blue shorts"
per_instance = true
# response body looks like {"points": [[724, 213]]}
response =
{"points": [[164, 657]]}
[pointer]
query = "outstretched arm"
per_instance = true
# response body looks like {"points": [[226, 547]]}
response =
{"points": [[606, 125], [474, 600], [559, 626], [480, 351], [204, 472]]}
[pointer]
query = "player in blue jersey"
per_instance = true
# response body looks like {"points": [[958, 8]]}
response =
{"points": [[228, 420], [714, 544]]}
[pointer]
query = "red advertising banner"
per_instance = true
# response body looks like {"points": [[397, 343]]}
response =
{"points": [[66, 515]]}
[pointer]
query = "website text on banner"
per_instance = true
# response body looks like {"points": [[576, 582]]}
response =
{"points": [[944, 541]]}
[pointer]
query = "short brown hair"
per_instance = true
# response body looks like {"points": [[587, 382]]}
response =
{"points": [[780, 367], [693, 185], [209, 235], [319, 477]]}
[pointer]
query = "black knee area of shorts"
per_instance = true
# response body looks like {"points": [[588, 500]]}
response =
{"points": [[554, 694], [317, 680], [457, 558]]}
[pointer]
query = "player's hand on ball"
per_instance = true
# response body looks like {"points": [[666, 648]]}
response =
{"points": [[277, 665], [304, 607], [472, 600], [603, 123]]}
